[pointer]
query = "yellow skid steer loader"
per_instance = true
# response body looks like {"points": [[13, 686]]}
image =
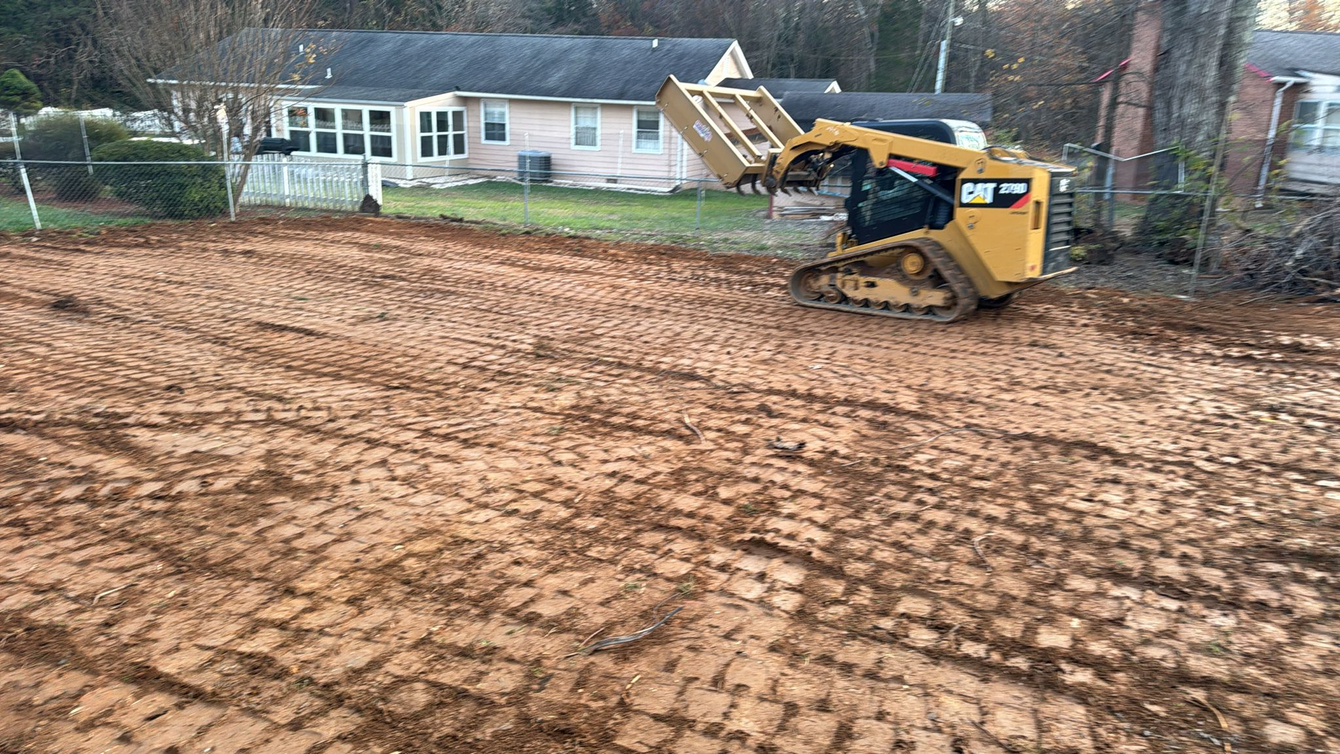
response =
{"points": [[938, 223]]}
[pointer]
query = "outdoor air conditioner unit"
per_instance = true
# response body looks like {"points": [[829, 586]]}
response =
{"points": [[536, 165]]}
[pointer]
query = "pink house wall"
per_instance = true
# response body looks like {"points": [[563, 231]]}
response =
{"points": [[1249, 124], [547, 126]]}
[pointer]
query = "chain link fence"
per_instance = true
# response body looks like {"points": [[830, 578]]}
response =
{"points": [[651, 209], [50, 194], [36, 194]]}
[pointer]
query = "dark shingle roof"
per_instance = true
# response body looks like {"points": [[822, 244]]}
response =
{"points": [[805, 108], [779, 87], [1285, 53], [399, 66]]}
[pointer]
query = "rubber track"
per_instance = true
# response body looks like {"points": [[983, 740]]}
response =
{"points": [[965, 295]]}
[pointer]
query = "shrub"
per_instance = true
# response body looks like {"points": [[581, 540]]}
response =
{"points": [[18, 94], [9, 171], [177, 191], [58, 137]]}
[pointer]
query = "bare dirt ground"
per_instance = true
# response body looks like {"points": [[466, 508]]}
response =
{"points": [[363, 486]]}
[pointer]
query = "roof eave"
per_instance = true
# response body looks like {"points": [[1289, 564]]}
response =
{"points": [[502, 95], [189, 82]]}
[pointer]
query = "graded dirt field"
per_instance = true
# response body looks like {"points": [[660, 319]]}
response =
{"points": [[364, 485]]}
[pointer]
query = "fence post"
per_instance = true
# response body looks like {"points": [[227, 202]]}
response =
{"points": [[228, 184], [83, 133], [23, 172], [698, 209], [373, 171], [525, 192], [1110, 183], [286, 179]]}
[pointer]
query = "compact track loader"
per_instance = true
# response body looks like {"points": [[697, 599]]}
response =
{"points": [[938, 223]]}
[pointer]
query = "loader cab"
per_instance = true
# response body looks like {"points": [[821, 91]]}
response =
{"points": [[883, 204]]}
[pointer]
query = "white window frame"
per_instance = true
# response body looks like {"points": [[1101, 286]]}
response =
{"points": [[1311, 136], [507, 122], [574, 143], [335, 118], [660, 131], [419, 133], [339, 130]]}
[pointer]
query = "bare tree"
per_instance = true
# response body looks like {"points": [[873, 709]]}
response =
{"points": [[216, 68], [1202, 49]]}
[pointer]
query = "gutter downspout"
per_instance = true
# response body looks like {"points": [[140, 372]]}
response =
{"points": [[1271, 136]]}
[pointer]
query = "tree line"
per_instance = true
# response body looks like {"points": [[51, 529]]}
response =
{"points": [[1035, 56], [1038, 58]]}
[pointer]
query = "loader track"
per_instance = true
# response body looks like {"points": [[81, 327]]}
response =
{"points": [[803, 286]]}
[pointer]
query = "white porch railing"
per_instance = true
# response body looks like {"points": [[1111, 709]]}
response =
{"points": [[280, 181]]}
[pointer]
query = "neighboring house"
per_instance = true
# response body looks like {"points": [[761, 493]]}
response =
{"points": [[806, 107], [1286, 117], [781, 87], [808, 100], [448, 99]]}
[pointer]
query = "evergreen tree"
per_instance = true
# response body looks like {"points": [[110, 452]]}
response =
{"points": [[18, 94]]}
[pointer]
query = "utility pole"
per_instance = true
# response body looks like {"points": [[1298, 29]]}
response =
{"points": [[944, 47]]}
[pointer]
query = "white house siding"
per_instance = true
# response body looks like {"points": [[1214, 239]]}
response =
{"points": [[1306, 168], [731, 66]]}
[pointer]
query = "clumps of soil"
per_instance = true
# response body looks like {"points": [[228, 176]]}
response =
{"points": [[69, 304]]}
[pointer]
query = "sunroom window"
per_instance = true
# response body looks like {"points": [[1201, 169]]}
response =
{"points": [[350, 131]]}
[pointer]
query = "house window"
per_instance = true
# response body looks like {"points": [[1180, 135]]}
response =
{"points": [[647, 130], [493, 113], [586, 126], [299, 128], [1317, 126], [442, 133], [352, 123], [327, 133], [351, 131], [380, 140]]}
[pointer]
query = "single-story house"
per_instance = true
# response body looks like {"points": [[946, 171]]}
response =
{"points": [[448, 99], [807, 107], [1287, 113], [781, 87]]}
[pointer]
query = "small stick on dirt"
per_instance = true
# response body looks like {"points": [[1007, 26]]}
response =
{"points": [[978, 550], [689, 424], [618, 641], [1223, 724], [592, 636], [949, 635], [988, 733], [109, 592]]}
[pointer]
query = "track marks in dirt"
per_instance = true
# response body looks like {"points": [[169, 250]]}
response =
{"points": [[372, 480]]}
